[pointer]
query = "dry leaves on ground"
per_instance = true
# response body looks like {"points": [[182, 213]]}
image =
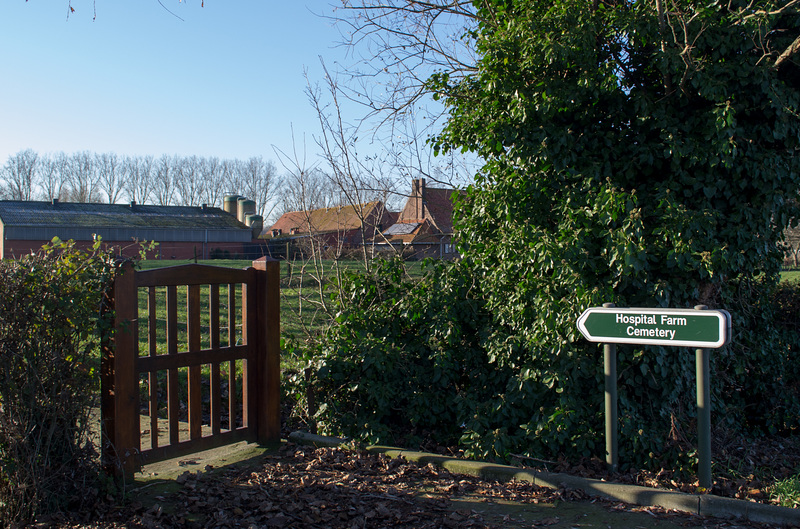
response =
{"points": [[328, 487]]}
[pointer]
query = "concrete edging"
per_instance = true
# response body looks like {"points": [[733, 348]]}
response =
{"points": [[700, 504]]}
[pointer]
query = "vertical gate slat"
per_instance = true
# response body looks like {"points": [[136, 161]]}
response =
{"points": [[233, 408], [173, 398], [270, 328], [195, 379], [248, 380], [215, 388], [266, 337], [152, 378]]}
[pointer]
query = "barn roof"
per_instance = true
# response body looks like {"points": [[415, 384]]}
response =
{"points": [[327, 220], [17, 213]]}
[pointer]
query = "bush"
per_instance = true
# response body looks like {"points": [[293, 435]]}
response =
{"points": [[49, 314], [411, 360], [405, 361]]}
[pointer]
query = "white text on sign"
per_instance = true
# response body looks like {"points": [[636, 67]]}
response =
{"points": [[650, 319]]}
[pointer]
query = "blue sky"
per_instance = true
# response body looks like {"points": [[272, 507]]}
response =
{"points": [[226, 81]]}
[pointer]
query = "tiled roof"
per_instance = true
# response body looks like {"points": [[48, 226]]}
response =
{"points": [[79, 215], [327, 220]]}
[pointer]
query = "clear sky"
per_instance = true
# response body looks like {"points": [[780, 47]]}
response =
{"points": [[227, 80]]}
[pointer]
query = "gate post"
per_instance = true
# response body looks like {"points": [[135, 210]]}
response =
{"points": [[120, 392], [269, 365]]}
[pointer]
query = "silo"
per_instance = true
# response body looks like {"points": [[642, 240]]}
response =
{"points": [[256, 223], [229, 204], [245, 206]]}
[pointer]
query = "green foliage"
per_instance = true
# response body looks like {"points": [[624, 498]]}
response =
{"points": [[635, 159], [642, 158], [406, 359], [49, 315]]}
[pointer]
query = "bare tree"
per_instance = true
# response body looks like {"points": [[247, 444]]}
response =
{"points": [[400, 43], [52, 172], [111, 176], [138, 178], [258, 179], [163, 182], [228, 175], [305, 189], [81, 178], [211, 183], [187, 181], [360, 180], [20, 175]]}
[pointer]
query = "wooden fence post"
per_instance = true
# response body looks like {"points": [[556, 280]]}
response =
{"points": [[121, 392], [269, 365]]}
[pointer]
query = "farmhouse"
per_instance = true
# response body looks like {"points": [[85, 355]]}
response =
{"points": [[425, 226], [182, 232], [331, 231]]}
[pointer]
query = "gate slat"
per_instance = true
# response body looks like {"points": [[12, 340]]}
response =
{"points": [[215, 386], [195, 395], [173, 398], [248, 381], [152, 379], [233, 407]]}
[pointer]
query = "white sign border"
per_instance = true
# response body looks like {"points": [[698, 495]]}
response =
{"points": [[723, 317]]}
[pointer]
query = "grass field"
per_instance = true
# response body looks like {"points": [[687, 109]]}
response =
{"points": [[790, 275], [305, 291]]}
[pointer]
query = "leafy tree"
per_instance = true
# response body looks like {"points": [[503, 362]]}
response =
{"points": [[638, 153]]}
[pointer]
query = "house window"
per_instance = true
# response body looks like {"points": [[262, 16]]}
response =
{"points": [[276, 232]]}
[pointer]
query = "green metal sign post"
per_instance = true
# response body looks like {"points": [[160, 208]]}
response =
{"points": [[699, 328]]}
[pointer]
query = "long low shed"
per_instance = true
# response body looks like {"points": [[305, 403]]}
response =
{"points": [[181, 232]]}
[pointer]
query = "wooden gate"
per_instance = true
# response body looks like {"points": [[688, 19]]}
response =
{"points": [[193, 362]]}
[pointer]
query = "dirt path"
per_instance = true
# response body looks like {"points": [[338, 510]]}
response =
{"points": [[329, 487]]}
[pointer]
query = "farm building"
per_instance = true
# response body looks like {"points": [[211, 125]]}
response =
{"points": [[182, 232], [331, 231], [425, 226]]}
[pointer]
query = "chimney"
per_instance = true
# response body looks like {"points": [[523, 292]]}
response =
{"points": [[55, 201], [418, 191]]}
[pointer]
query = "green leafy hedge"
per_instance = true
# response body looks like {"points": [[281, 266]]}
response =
{"points": [[413, 360], [406, 358], [49, 314]]}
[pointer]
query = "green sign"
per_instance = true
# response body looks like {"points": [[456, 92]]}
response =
{"points": [[675, 327]]}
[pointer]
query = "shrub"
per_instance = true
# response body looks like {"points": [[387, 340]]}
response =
{"points": [[49, 314], [410, 359], [405, 361]]}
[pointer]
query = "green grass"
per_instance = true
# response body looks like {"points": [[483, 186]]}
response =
{"points": [[304, 289], [790, 275], [305, 303], [228, 263], [786, 492]]}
